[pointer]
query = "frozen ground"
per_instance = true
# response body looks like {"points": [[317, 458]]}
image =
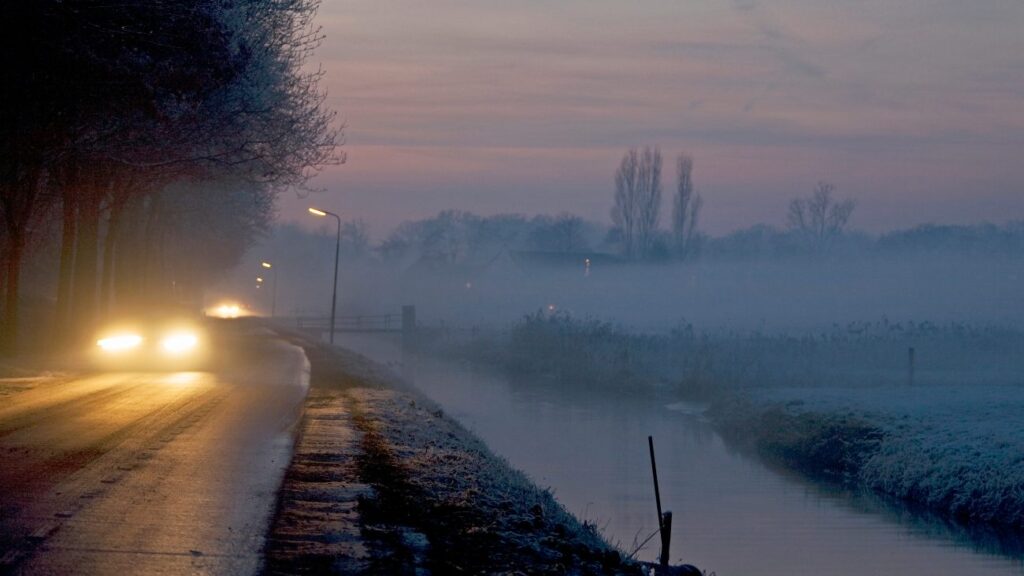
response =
{"points": [[383, 482], [956, 449]]}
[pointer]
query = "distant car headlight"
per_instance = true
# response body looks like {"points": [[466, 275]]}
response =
{"points": [[119, 342], [227, 310], [179, 343]]}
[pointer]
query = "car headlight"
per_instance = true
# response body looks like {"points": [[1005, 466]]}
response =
{"points": [[119, 342], [179, 343]]}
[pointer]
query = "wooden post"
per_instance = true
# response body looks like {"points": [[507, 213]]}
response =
{"points": [[666, 537], [664, 520], [408, 327], [910, 366]]}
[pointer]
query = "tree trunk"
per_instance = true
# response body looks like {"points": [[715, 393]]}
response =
{"points": [[128, 270], [109, 246], [62, 313], [84, 301], [152, 254], [3, 277], [18, 204], [15, 251]]}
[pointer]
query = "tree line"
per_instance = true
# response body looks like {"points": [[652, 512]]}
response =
{"points": [[152, 139], [817, 220], [453, 239]]}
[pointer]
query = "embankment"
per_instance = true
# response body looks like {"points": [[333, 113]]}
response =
{"points": [[954, 451], [384, 482]]}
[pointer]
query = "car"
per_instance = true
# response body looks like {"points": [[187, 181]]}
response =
{"points": [[152, 344]]}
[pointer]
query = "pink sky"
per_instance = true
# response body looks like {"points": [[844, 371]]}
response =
{"points": [[915, 108]]}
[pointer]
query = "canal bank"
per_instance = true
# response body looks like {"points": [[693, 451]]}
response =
{"points": [[384, 481]]}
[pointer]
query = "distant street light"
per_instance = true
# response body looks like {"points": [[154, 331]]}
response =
{"points": [[337, 250], [273, 298]]}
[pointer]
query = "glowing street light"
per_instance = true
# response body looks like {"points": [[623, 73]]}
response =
{"points": [[273, 298], [337, 250]]}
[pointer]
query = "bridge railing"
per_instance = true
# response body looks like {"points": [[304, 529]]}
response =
{"points": [[404, 323], [360, 323]]}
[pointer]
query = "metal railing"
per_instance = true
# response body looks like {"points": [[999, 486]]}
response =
{"points": [[359, 323]]}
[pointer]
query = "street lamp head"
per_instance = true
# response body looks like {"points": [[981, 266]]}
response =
{"points": [[258, 279], [266, 264], [317, 212]]}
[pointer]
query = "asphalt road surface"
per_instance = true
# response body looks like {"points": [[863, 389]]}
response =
{"points": [[148, 473]]}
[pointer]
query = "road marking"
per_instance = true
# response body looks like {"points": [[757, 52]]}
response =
{"points": [[43, 532]]}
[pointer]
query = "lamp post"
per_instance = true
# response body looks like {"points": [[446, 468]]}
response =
{"points": [[273, 298], [337, 250]]}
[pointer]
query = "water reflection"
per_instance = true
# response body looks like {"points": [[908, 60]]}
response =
{"points": [[732, 514]]}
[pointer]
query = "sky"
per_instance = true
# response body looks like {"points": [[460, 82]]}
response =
{"points": [[915, 109]]}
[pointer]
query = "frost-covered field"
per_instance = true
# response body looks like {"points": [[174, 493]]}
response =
{"points": [[837, 402], [955, 449], [589, 353]]}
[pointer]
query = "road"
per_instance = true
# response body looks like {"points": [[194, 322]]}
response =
{"points": [[148, 473]]}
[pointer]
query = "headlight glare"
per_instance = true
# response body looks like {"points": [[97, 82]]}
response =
{"points": [[179, 343], [119, 342]]}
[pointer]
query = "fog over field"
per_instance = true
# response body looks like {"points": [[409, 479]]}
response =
{"points": [[493, 285]]}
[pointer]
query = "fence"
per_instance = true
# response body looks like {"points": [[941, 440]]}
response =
{"points": [[403, 323]]}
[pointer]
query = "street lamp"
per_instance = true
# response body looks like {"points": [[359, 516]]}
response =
{"points": [[337, 250], [273, 298]]}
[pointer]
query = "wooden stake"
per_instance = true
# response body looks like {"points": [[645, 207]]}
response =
{"points": [[664, 519]]}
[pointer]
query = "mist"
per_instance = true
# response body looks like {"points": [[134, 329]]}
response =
{"points": [[880, 372], [867, 280]]}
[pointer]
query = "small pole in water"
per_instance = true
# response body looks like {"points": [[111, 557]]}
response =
{"points": [[910, 366], [664, 520], [666, 536]]}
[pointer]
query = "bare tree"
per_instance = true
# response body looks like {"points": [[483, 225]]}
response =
{"points": [[686, 205], [568, 229], [649, 199], [355, 240], [638, 200], [562, 233], [624, 211], [819, 218]]}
